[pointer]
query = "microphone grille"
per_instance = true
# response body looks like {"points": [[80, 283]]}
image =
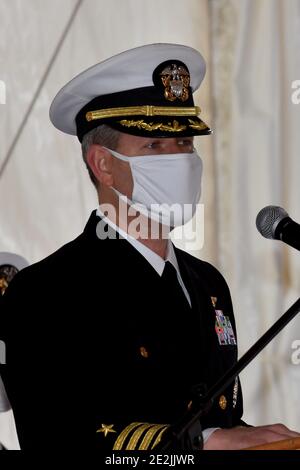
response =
{"points": [[268, 218]]}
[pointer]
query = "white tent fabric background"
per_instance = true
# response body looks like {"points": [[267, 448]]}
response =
{"points": [[256, 149], [252, 53]]}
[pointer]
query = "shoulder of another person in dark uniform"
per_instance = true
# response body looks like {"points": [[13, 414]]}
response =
{"points": [[65, 259]]}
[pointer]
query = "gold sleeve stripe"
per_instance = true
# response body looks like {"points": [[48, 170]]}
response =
{"points": [[137, 435], [123, 435], [158, 439], [150, 435], [146, 110]]}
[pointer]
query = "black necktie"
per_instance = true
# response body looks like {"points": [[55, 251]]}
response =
{"points": [[169, 278]]}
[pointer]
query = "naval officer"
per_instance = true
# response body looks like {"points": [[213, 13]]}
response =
{"points": [[109, 338]]}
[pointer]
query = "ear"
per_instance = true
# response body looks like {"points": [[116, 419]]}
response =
{"points": [[100, 162]]}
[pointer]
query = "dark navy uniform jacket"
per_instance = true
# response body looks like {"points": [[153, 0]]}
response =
{"points": [[99, 351]]}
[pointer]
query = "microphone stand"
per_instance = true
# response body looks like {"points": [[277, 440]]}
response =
{"points": [[187, 433]]}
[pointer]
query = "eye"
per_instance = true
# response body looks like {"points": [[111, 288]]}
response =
{"points": [[187, 143], [152, 145]]}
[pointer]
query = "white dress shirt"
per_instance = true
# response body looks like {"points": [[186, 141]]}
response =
{"points": [[8, 434]]}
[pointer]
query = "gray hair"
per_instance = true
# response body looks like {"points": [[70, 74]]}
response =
{"points": [[102, 135]]}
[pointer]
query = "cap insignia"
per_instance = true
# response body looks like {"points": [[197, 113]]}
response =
{"points": [[3, 285], [176, 80], [7, 272]]}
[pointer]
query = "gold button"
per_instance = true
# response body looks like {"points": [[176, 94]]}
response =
{"points": [[222, 402], [144, 352]]}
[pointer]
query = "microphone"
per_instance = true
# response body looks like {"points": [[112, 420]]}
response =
{"points": [[275, 223]]}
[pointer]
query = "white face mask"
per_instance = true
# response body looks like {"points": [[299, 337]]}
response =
{"points": [[166, 187]]}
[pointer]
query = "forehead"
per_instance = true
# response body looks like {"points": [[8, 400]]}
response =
{"points": [[127, 139]]}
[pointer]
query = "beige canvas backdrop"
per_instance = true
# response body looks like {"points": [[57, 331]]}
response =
{"points": [[251, 48]]}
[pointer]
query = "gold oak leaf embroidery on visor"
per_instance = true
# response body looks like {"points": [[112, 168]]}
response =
{"points": [[197, 125], [141, 124]]}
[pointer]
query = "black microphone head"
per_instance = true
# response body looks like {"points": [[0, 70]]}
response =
{"points": [[268, 218]]}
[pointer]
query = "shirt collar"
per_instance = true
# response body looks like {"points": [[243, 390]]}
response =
{"points": [[157, 263], [155, 260]]}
